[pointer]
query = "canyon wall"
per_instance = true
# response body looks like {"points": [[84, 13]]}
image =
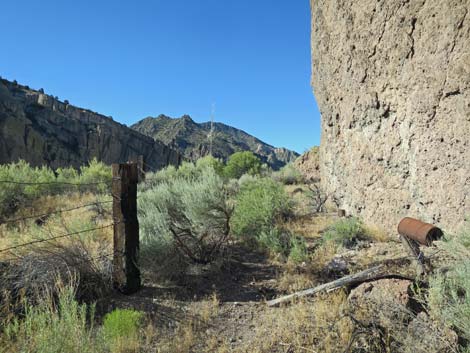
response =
{"points": [[392, 81], [42, 130]]}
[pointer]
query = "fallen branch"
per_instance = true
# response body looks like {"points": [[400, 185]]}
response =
{"points": [[376, 272]]}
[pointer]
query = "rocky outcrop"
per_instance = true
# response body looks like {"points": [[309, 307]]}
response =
{"points": [[392, 81], [308, 164], [42, 130], [192, 139]]}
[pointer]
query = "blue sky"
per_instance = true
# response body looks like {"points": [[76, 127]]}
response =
{"points": [[133, 59]]}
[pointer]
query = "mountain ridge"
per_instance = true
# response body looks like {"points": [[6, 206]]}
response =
{"points": [[192, 139], [43, 130]]}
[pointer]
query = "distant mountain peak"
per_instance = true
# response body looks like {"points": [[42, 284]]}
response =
{"points": [[191, 139]]}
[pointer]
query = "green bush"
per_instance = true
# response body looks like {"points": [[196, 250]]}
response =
{"points": [[288, 175], [241, 163], [121, 329], [259, 205], [274, 240], [45, 182], [190, 214], [13, 195], [95, 172], [298, 250], [46, 328], [187, 170], [346, 232], [210, 162], [449, 293]]}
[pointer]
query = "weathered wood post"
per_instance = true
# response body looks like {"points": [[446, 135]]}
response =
{"points": [[140, 167], [126, 273]]}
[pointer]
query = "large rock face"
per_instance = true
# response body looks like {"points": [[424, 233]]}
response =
{"points": [[392, 80], [45, 131]]}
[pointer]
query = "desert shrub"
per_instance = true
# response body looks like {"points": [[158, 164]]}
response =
{"points": [[46, 182], [274, 240], [259, 205], [96, 172], [449, 293], [50, 328], [191, 214], [298, 249], [346, 232], [316, 198], [187, 170], [13, 195], [162, 176], [210, 162], [288, 175], [121, 330], [241, 163], [33, 276]]}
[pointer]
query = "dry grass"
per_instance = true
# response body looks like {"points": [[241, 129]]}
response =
{"points": [[303, 327], [376, 234], [58, 224], [310, 227], [191, 332], [30, 270]]}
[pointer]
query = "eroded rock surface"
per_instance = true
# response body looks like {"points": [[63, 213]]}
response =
{"points": [[392, 80], [308, 164], [42, 130]]}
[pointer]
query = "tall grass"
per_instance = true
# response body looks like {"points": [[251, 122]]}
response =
{"points": [[54, 328], [58, 323], [346, 232], [47, 182], [121, 330], [449, 293]]}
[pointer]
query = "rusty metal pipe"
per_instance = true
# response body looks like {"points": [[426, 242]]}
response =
{"points": [[423, 233]]}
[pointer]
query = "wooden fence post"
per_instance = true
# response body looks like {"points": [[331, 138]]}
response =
{"points": [[126, 273], [140, 167]]}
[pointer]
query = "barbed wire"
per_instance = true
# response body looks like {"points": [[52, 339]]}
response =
{"points": [[57, 237], [73, 262], [14, 220], [53, 183]]}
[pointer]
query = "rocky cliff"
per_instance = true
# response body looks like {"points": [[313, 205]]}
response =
{"points": [[308, 164], [191, 139], [392, 80], [43, 130]]}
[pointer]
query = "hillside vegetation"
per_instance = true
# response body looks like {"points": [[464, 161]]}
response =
{"points": [[191, 139], [216, 241]]}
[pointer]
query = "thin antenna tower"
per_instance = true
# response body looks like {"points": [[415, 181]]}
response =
{"points": [[211, 133]]}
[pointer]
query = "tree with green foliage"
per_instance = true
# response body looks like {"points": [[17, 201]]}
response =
{"points": [[241, 163]]}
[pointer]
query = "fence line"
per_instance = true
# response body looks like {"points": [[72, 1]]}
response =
{"points": [[14, 220], [58, 183], [72, 262], [57, 237]]}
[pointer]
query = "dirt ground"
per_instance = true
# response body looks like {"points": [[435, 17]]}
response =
{"points": [[224, 305]]}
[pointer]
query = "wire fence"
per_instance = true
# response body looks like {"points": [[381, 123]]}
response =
{"points": [[58, 183], [37, 241], [41, 216]]}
